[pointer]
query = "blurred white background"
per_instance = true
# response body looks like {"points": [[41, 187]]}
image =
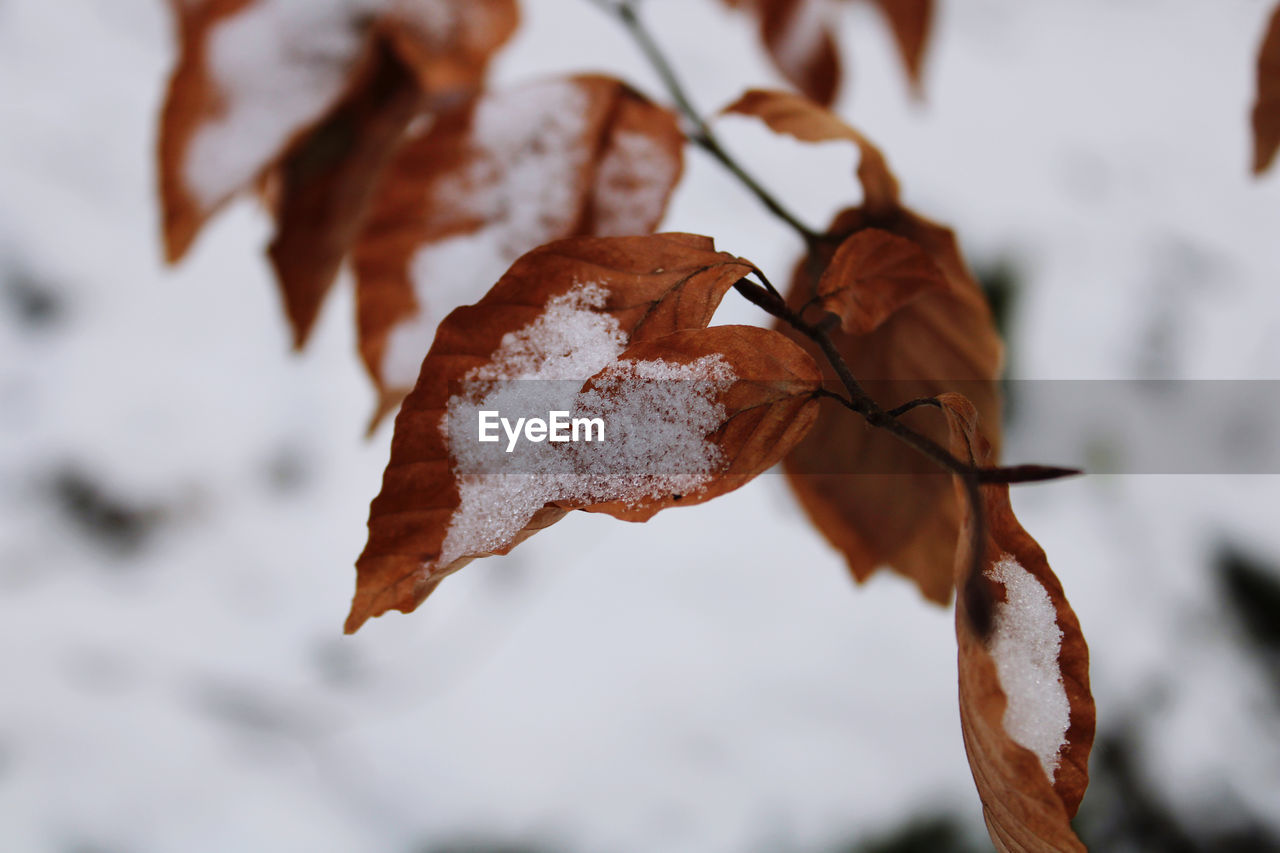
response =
{"points": [[181, 498]]}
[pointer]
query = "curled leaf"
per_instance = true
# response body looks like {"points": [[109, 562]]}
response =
{"points": [[873, 274], [878, 501], [802, 119], [1026, 709], [491, 180], [560, 314], [1266, 108]]}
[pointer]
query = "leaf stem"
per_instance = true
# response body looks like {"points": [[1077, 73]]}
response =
{"points": [[701, 134]]}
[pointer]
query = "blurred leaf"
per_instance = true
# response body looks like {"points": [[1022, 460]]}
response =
{"points": [[1266, 108]]}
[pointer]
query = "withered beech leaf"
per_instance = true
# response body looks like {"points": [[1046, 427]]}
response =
{"points": [[805, 120], [799, 39], [911, 21], [1266, 109], [561, 312], [325, 181], [873, 274], [1026, 710], [878, 501], [490, 180]]}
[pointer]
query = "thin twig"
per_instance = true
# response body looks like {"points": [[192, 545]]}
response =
{"points": [[701, 133]]}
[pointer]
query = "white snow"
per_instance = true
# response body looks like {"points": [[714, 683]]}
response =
{"points": [[656, 414], [1025, 647], [522, 185]]}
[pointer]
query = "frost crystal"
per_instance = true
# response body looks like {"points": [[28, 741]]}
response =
{"points": [[1025, 646], [657, 415]]}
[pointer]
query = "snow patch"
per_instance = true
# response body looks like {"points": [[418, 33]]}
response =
{"points": [[657, 417], [1025, 647]]}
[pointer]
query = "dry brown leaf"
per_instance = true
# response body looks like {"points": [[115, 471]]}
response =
{"points": [[911, 21], [1026, 709], [1266, 109], [325, 181], [653, 286], [491, 180], [801, 118], [799, 39], [873, 274], [875, 499]]}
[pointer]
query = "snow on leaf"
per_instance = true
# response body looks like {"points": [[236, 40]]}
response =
{"points": [[1266, 109], [764, 412], [1026, 709], [807, 121], [491, 180], [873, 274], [559, 315], [875, 499]]}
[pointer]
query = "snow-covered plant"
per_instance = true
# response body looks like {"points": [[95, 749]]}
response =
{"points": [[366, 128]]}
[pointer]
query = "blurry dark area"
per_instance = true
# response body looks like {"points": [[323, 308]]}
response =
{"points": [[1123, 812], [288, 469], [1002, 281], [933, 834], [1250, 588], [481, 846], [118, 524], [34, 303]]}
